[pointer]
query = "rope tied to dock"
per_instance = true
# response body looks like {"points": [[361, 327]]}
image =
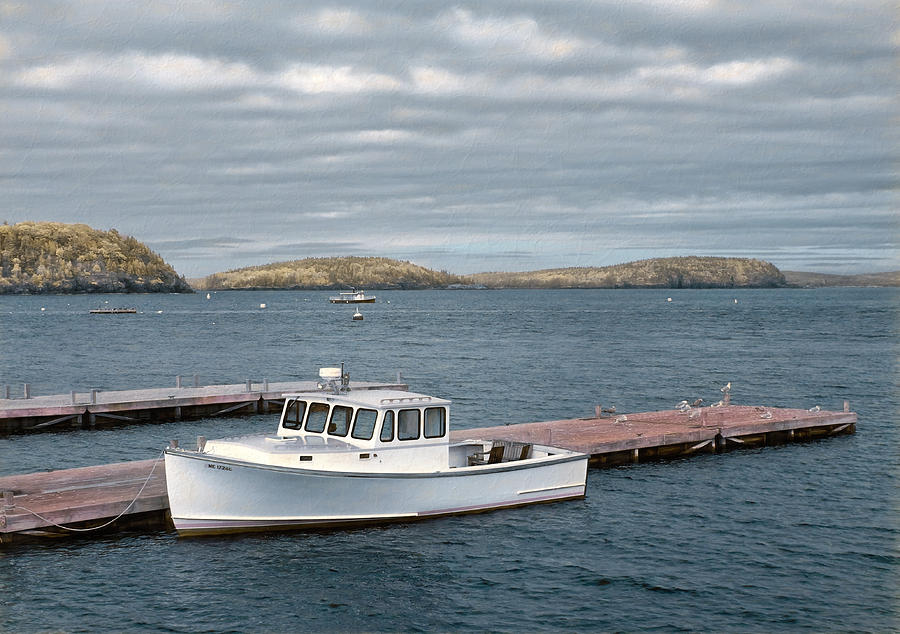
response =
{"points": [[104, 525]]}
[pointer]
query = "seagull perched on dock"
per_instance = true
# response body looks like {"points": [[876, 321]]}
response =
{"points": [[814, 409], [719, 404], [683, 406], [697, 402], [726, 388]]}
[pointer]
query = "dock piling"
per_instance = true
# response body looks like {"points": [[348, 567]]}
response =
{"points": [[249, 385], [6, 392], [93, 396], [27, 390], [178, 380], [846, 406], [196, 380], [201, 443]]}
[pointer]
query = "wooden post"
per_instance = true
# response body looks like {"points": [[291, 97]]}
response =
{"points": [[73, 397], [598, 410], [249, 385], [93, 397], [178, 412], [178, 380], [265, 385], [8, 503], [27, 390], [6, 392], [846, 406], [635, 455], [196, 380]]}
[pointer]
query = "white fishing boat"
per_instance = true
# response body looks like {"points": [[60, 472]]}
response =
{"points": [[344, 456], [352, 297]]}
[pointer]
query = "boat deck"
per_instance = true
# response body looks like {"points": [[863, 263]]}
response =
{"points": [[92, 496]]}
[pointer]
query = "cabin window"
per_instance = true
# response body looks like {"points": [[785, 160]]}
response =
{"points": [[315, 420], [293, 414], [408, 424], [435, 422], [364, 426], [387, 427], [340, 420]]}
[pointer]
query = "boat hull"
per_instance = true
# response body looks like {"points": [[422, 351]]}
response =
{"points": [[368, 300], [213, 495]]}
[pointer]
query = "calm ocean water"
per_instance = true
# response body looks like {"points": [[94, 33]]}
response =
{"points": [[791, 538]]}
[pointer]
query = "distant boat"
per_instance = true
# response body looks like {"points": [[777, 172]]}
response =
{"points": [[112, 311], [352, 297]]}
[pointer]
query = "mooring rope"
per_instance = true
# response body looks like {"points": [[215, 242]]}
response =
{"points": [[95, 528]]}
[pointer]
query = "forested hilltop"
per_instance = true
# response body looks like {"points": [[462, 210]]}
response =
{"points": [[53, 257], [331, 273], [681, 272]]}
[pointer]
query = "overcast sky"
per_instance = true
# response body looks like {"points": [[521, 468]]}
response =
{"points": [[467, 137]]}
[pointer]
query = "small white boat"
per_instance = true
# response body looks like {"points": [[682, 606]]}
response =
{"points": [[345, 456], [352, 297]]}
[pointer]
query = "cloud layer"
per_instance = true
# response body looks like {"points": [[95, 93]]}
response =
{"points": [[512, 136]]}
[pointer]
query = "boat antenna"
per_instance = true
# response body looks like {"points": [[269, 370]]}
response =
{"points": [[345, 379]]}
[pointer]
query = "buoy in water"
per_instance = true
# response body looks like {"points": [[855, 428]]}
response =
{"points": [[357, 316], [262, 305], [208, 296], [668, 299]]}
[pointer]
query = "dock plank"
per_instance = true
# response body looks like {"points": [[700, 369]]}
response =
{"points": [[85, 494], [45, 412]]}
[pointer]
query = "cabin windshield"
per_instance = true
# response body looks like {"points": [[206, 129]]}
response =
{"points": [[317, 417], [293, 414]]}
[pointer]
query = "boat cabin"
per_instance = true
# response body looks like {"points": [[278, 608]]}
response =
{"points": [[375, 419], [381, 430]]}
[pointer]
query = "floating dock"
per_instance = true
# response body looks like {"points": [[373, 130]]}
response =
{"points": [[132, 495], [89, 409]]}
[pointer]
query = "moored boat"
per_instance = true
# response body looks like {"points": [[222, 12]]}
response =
{"points": [[112, 311], [352, 297], [342, 456]]}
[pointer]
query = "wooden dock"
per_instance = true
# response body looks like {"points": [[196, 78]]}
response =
{"points": [[134, 493], [89, 409]]}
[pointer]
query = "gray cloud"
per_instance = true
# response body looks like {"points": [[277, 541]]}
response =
{"points": [[521, 135]]}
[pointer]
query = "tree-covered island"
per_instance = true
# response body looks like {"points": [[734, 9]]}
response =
{"points": [[385, 273], [53, 257]]}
